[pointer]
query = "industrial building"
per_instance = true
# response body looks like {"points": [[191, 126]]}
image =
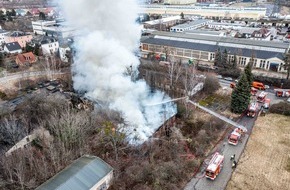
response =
{"points": [[208, 12], [190, 25], [267, 56], [86, 173], [163, 23], [53, 28], [179, 2]]}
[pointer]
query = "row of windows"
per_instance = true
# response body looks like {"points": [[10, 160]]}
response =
{"points": [[50, 45], [207, 55]]}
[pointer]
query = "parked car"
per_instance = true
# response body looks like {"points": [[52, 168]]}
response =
{"points": [[229, 78], [219, 76]]}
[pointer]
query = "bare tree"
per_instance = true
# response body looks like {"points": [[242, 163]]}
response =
{"points": [[12, 130]]}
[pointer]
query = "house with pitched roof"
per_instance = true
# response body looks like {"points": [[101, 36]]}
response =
{"points": [[12, 47], [25, 59], [48, 45], [86, 173], [17, 36]]}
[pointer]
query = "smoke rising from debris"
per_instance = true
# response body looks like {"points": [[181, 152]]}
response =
{"points": [[108, 36]]}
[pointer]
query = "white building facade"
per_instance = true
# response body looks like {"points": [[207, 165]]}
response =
{"points": [[63, 52], [49, 47], [3, 33], [38, 26]]}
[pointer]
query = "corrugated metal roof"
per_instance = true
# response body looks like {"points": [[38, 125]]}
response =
{"points": [[83, 174], [219, 39], [192, 23], [260, 54]]}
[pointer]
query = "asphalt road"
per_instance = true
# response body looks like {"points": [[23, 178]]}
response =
{"points": [[220, 183], [199, 182]]}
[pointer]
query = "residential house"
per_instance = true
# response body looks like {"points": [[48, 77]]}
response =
{"points": [[262, 34], [48, 45], [86, 173], [34, 12], [20, 12], [63, 50], [3, 10], [3, 33], [49, 11], [25, 59], [17, 36], [12, 47]]}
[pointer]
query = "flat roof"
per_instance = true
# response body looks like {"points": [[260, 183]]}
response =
{"points": [[219, 39], [227, 24], [207, 47], [204, 32], [193, 23], [167, 19]]}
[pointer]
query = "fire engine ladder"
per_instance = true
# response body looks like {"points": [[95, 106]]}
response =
{"points": [[225, 119]]}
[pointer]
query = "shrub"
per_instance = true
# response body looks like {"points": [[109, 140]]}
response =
{"points": [[211, 84], [181, 110], [273, 81], [3, 95], [235, 73], [280, 108]]}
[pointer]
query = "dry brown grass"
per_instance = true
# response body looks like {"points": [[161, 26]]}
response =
{"points": [[265, 163], [285, 10]]}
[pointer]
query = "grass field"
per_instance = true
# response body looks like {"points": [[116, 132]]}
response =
{"points": [[265, 163]]}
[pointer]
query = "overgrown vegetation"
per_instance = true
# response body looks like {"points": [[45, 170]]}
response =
{"points": [[281, 108], [211, 84], [164, 163], [3, 96]]}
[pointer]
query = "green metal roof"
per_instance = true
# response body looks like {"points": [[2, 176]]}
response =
{"points": [[82, 174]]}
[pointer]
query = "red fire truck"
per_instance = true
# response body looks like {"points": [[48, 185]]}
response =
{"points": [[261, 97], [235, 136], [282, 92], [214, 167], [254, 91], [252, 109]]}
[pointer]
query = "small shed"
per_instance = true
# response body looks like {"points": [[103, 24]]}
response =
{"points": [[86, 173]]}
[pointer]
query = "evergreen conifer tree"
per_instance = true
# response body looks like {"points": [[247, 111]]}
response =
{"points": [[241, 95], [224, 61]]}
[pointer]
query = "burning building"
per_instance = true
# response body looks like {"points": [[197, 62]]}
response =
{"points": [[104, 52]]}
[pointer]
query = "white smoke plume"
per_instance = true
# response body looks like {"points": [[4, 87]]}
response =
{"points": [[108, 37]]}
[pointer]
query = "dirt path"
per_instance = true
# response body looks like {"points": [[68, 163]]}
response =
{"points": [[263, 164]]}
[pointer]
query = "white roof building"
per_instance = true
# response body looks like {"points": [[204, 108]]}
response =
{"points": [[190, 25]]}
